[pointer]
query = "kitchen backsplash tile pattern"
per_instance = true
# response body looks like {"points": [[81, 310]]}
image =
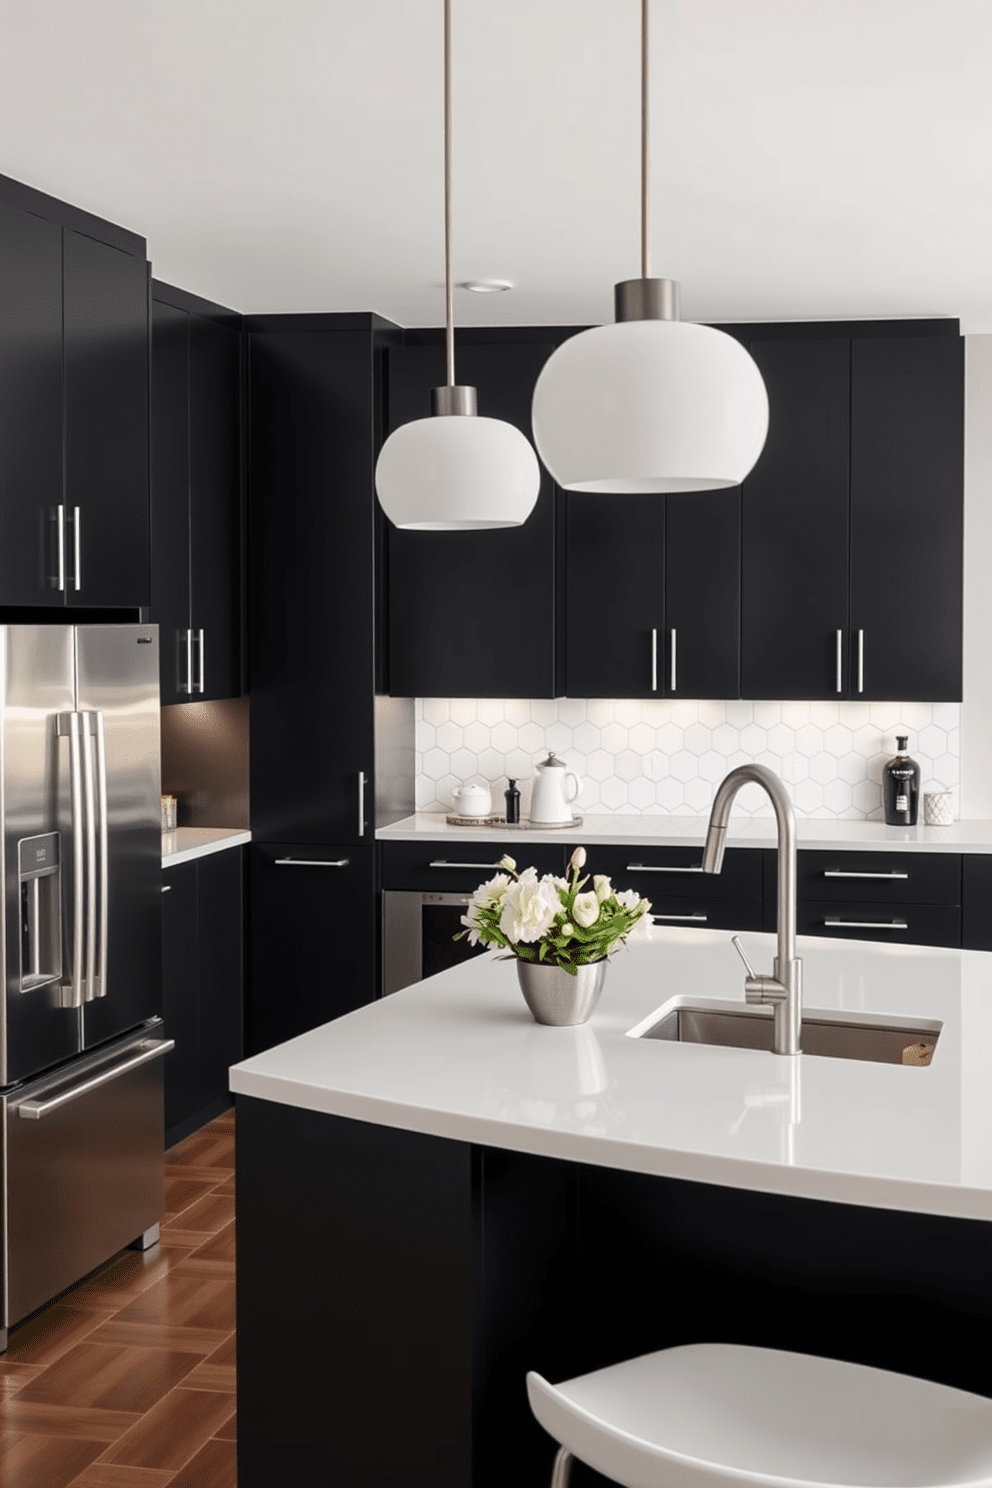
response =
{"points": [[666, 758]]}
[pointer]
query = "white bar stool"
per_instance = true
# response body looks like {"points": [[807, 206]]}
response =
{"points": [[705, 1415]]}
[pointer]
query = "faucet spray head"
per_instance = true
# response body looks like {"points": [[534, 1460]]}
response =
{"points": [[716, 841]]}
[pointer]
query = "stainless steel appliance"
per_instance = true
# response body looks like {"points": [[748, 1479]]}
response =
{"points": [[81, 1119]]}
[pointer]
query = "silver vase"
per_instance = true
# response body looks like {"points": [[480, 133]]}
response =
{"points": [[556, 997]]}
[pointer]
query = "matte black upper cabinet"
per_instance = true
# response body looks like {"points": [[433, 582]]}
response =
{"points": [[853, 518], [74, 519], [196, 495], [472, 613], [652, 595]]}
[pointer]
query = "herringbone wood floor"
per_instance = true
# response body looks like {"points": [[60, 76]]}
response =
{"points": [[127, 1380]]}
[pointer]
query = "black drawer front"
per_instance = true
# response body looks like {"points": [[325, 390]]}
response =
{"points": [[895, 924], [705, 914], [976, 903], [676, 871], [887, 878], [447, 866]]}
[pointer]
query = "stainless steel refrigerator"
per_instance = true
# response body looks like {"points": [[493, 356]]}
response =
{"points": [[80, 938]]}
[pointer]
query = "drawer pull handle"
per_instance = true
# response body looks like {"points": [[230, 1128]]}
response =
{"points": [[658, 868], [442, 864], [311, 863], [852, 873], [697, 919], [867, 924]]}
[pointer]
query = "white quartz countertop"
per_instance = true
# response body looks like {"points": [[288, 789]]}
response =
{"points": [[187, 843], [684, 831], [459, 1056]]}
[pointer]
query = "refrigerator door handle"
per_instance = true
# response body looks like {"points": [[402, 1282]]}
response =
{"points": [[189, 663], [89, 805], [34, 1110], [70, 727], [200, 683], [98, 988]]}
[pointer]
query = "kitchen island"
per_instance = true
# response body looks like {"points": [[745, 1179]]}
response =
{"points": [[435, 1194]]}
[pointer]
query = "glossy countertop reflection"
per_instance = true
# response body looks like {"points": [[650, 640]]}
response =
{"points": [[459, 1056]]}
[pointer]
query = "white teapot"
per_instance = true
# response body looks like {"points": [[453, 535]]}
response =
{"points": [[473, 799], [553, 791]]}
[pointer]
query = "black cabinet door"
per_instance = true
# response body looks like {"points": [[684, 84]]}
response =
{"points": [[311, 661], [471, 614], [181, 993], [652, 600], [30, 408], [220, 897], [615, 638], [215, 507], [907, 514], [312, 916], [170, 496], [796, 526], [702, 594], [106, 422]]}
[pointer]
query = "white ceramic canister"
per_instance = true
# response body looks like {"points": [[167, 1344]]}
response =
{"points": [[473, 799]]}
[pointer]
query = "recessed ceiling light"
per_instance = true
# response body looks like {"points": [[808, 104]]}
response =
{"points": [[486, 286]]}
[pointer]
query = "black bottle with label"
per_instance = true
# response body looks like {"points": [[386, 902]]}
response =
{"points": [[901, 787]]}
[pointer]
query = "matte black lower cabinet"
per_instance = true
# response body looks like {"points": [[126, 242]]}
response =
{"points": [[312, 938], [202, 986], [408, 1292]]}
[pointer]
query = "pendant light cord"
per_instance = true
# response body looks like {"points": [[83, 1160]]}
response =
{"points": [[449, 298], [645, 149]]}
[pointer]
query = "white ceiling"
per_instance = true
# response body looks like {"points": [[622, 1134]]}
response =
{"points": [[812, 158]]}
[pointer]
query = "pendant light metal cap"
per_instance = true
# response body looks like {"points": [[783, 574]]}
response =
{"points": [[454, 400], [445, 474], [650, 405]]}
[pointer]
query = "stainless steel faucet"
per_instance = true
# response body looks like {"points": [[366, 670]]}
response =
{"points": [[784, 988]]}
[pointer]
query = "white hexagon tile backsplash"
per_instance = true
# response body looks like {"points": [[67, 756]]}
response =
{"points": [[666, 758]]}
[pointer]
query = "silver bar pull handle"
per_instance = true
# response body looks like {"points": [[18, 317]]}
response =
{"points": [[867, 924], [840, 661], [861, 661], [166, 888], [361, 803], [202, 677], [189, 663], [99, 987], [654, 660], [667, 868], [77, 571], [89, 803], [311, 862], [60, 539], [674, 683], [854, 873], [34, 1110], [696, 919], [442, 863], [71, 992]]}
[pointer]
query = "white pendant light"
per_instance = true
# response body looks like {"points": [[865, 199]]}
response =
{"points": [[651, 403], [455, 470]]}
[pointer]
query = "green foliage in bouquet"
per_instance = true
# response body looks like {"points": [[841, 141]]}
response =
{"points": [[553, 920]]}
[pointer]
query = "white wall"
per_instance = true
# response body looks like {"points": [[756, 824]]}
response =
{"points": [[976, 711]]}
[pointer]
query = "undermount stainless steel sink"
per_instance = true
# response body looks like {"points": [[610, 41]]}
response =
{"points": [[833, 1035]]}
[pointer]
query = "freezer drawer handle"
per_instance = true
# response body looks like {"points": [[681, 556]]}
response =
{"points": [[311, 863], [868, 924], [851, 873], [441, 863], [33, 1110], [666, 868]]}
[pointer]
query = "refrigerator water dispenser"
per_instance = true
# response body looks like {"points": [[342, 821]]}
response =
{"points": [[40, 882]]}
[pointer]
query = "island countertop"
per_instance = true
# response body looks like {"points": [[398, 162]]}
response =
{"points": [[459, 1056]]}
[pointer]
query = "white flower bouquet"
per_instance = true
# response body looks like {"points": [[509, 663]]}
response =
{"points": [[554, 921]]}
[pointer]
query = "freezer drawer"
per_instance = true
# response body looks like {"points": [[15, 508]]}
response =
{"points": [[82, 1167]]}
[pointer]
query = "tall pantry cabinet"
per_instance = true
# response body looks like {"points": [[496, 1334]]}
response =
{"points": [[331, 756]]}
